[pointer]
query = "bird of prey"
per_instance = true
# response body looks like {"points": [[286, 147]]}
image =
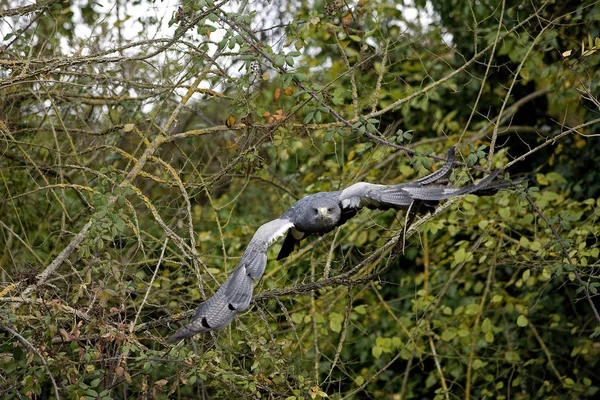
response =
{"points": [[317, 213]]}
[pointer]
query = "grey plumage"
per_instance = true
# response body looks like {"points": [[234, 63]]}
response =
{"points": [[317, 213], [235, 294]]}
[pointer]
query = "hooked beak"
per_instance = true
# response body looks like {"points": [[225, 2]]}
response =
{"points": [[323, 212]]}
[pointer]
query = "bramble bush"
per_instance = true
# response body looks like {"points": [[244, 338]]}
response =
{"points": [[143, 144]]}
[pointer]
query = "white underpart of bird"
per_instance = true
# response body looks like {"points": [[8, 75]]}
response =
{"points": [[317, 213]]}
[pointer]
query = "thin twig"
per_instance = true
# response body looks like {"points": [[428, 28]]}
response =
{"points": [[162, 253], [436, 359], [343, 333], [488, 285]]}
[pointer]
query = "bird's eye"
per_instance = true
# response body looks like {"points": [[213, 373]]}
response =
{"points": [[330, 209], [315, 210]]}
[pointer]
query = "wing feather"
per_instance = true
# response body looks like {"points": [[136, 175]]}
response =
{"points": [[440, 173], [371, 195], [236, 293], [432, 193]]}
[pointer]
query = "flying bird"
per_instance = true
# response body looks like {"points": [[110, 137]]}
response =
{"points": [[317, 213]]}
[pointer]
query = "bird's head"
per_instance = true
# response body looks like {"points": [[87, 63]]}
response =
{"points": [[326, 211], [323, 212]]}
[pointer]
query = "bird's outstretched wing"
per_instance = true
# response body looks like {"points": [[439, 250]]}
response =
{"points": [[235, 294], [433, 193], [371, 195]]}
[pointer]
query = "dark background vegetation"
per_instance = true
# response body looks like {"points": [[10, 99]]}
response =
{"points": [[142, 143]]}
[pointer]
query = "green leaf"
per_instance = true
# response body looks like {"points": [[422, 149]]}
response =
{"points": [[569, 382], [460, 255], [463, 332], [376, 351], [335, 322], [524, 242], [486, 325], [472, 159], [522, 321], [512, 356], [309, 117], [318, 117], [280, 62], [472, 309], [477, 364], [298, 318], [361, 309], [504, 213], [447, 335]]}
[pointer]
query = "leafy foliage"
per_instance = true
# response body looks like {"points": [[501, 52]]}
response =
{"points": [[142, 145]]}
